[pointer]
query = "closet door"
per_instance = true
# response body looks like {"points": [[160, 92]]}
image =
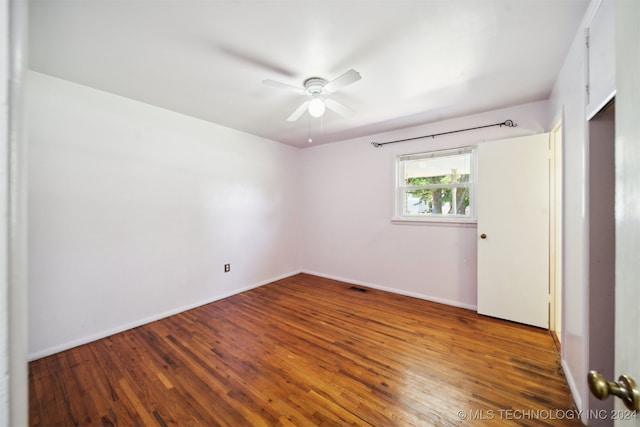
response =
{"points": [[513, 229], [601, 59]]}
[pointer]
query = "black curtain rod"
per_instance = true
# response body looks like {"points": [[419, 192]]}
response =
{"points": [[507, 123]]}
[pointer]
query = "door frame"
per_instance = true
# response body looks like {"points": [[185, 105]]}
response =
{"points": [[601, 253], [556, 231]]}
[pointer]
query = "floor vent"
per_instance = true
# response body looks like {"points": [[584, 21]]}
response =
{"points": [[355, 288]]}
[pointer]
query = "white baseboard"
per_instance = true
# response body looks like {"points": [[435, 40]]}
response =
{"points": [[121, 328], [395, 291], [575, 392]]}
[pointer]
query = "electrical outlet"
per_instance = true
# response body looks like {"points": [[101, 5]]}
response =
{"points": [[227, 268]]}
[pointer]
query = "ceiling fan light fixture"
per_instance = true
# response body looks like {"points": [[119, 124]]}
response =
{"points": [[317, 91], [316, 105]]}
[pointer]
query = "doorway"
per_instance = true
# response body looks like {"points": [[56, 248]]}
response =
{"points": [[555, 234], [601, 233]]}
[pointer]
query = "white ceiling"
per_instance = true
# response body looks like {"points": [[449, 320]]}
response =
{"points": [[420, 61]]}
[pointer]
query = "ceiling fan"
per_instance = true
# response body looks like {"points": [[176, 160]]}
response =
{"points": [[317, 90]]}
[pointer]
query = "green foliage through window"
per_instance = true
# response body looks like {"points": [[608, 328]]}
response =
{"points": [[435, 198], [437, 183]]}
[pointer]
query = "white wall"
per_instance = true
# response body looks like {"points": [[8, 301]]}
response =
{"points": [[568, 104], [348, 204], [135, 209]]}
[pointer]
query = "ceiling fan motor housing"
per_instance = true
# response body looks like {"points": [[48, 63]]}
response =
{"points": [[314, 85]]}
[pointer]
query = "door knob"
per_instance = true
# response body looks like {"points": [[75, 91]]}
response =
{"points": [[483, 236], [626, 389]]}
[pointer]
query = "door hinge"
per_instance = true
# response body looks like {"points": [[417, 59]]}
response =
{"points": [[586, 64], [586, 38]]}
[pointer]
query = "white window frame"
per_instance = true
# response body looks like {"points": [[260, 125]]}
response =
{"points": [[400, 218]]}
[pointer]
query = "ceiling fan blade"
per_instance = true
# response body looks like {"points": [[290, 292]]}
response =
{"points": [[338, 107], [254, 58], [296, 114], [345, 79], [274, 83]]}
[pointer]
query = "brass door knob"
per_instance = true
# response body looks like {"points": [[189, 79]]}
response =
{"points": [[626, 389], [483, 236]]}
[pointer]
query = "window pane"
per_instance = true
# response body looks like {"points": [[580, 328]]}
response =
{"points": [[440, 201], [437, 170], [436, 184]]}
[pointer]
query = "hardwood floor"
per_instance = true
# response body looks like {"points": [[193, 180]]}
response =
{"points": [[307, 351]]}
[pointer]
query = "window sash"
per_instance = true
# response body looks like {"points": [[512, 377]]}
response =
{"points": [[435, 186], [434, 154], [452, 204], [403, 190]]}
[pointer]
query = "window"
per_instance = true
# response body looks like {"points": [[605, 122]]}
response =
{"points": [[437, 185]]}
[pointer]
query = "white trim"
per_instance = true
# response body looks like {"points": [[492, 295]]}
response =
{"points": [[592, 9], [395, 291], [574, 390], [430, 154], [435, 186], [14, 212], [439, 220], [596, 109], [94, 337]]}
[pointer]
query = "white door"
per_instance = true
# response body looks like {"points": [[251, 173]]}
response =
{"points": [[627, 213], [513, 229], [627, 347], [601, 57]]}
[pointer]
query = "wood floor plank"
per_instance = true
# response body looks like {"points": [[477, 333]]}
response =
{"points": [[308, 351]]}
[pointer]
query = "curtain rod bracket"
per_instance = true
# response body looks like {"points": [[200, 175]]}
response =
{"points": [[506, 123]]}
